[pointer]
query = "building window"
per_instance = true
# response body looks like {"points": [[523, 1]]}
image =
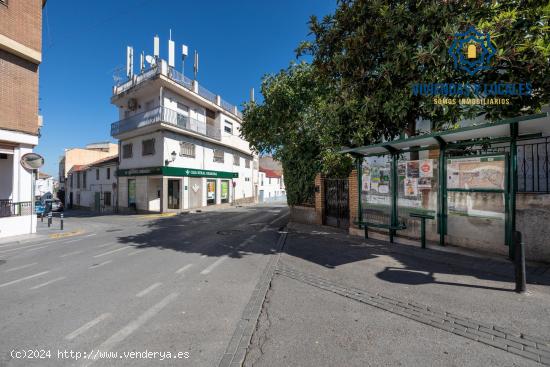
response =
{"points": [[72, 181], [148, 147], [107, 198], [182, 107], [236, 160], [78, 180], [108, 173], [127, 150], [187, 149], [218, 155], [97, 174], [247, 163], [269, 180], [84, 180], [228, 127]]}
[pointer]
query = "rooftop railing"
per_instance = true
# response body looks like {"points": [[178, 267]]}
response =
{"points": [[166, 116], [179, 78]]}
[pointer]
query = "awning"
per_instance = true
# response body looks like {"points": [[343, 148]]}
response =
{"points": [[529, 125]]}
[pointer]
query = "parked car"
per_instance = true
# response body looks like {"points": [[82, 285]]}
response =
{"points": [[39, 207], [53, 205]]}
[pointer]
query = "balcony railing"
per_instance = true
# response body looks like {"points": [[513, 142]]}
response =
{"points": [[179, 78], [166, 116], [11, 209]]}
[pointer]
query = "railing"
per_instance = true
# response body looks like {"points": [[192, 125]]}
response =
{"points": [[11, 209], [179, 78], [167, 116]]}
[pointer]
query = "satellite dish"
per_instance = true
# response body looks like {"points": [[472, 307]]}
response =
{"points": [[150, 60], [32, 161]]}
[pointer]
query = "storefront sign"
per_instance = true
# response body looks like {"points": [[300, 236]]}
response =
{"points": [[175, 171]]}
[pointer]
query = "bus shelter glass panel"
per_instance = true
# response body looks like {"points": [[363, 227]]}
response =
{"points": [[476, 206], [417, 190], [376, 189]]}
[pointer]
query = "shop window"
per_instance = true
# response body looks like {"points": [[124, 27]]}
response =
{"points": [[218, 155], [148, 147], [187, 149], [127, 150]]}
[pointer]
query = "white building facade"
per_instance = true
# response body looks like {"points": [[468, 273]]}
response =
{"points": [[179, 145], [271, 186]]}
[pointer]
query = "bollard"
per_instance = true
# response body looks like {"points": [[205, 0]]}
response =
{"points": [[61, 221], [519, 263], [42, 218], [49, 219]]}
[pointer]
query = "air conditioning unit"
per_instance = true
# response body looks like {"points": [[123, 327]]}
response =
{"points": [[132, 104]]}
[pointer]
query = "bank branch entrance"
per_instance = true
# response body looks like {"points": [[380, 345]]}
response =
{"points": [[465, 179]]}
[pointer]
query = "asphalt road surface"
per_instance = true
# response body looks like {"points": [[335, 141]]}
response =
{"points": [[139, 284]]}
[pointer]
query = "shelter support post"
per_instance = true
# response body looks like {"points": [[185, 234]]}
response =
{"points": [[442, 194], [359, 168], [513, 185]]}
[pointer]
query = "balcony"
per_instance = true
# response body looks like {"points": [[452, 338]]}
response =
{"points": [[179, 78], [166, 116]]}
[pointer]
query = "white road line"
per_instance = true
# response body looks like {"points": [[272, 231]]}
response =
{"points": [[100, 264], [123, 333], [107, 244], [87, 326], [135, 252], [36, 248], [209, 269], [19, 267], [148, 289], [113, 251], [22, 279], [46, 283], [71, 253], [181, 270]]}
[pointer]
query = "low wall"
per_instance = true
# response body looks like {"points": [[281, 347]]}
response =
{"points": [[305, 214], [13, 226]]}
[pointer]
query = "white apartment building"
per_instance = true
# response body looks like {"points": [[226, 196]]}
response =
{"points": [[44, 186], [271, 186], [93, 186], [180, 145]]}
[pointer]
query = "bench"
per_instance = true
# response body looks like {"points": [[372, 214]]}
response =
{"points": [[422, 217], [389, 227]]}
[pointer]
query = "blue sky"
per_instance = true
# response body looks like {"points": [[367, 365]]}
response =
{"points": [[85, 41]]}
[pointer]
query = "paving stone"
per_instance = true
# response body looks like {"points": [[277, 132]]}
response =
{"points": [[492, 331], [508, 342], [494, 343], [521, 340], [524, 353]]}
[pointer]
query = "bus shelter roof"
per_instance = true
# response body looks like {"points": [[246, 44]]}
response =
{"points": [[529, 125]]}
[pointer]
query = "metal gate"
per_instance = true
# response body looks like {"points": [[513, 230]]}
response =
{"points": [[336, 202]]}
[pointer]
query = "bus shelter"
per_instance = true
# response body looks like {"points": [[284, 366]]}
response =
{"points": [[464, 178]]}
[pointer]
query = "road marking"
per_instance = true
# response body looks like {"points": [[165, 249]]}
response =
{"points": [[181, 270], [48, 282], [135, 252], [19, 267], [148, 289], [22, 279], [66, 234], [113, 251], [278, 218], [87, 326], [36, 248], [71, 253], [123, 333], [107, 244], [209, 269], [100, 264]]}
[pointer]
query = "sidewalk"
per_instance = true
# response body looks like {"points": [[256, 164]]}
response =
{"points": [[341, 300]]}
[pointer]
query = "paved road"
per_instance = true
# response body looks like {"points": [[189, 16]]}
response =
{"points": [[135, 283]]}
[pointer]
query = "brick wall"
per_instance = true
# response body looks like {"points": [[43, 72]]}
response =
{"points": [[319, 198], [353, 199], [21, 20], [18, 93]]}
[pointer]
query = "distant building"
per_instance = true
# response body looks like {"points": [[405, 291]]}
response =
{"points": [[44, 186], [20, 56], [271, 181], [180, 144], [93, 186], [83, 156]]}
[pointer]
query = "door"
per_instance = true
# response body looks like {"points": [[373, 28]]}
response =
{"points": [[224, 195], [174, 194], [261, 196], [97, 201], [336, 202], [210, 192], [195, 192], [132, 193]]}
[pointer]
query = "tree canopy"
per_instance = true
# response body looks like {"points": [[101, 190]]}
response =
{"points": [[365, 57]]}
